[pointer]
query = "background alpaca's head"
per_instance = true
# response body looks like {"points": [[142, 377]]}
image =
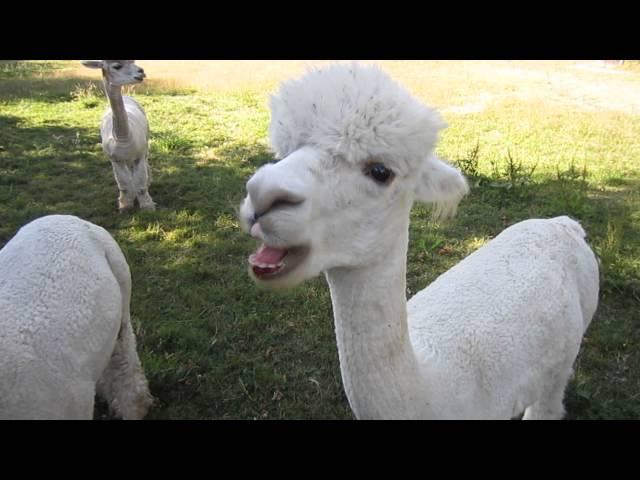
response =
{"points": [[356, 152], [118, 72]]}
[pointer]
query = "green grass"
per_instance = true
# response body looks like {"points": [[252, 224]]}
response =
{"points": [[213, 346]]}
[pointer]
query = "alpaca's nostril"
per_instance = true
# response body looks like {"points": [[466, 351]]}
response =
{"points": [[278, 203], [291, 201], [267, 193]]}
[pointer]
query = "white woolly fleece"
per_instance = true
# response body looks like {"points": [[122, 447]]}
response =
{"points": [[502, 328], [65, 328], [355, 111], [137, 146]]}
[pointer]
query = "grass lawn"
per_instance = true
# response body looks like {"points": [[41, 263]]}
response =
{"points": [[537, 139]]}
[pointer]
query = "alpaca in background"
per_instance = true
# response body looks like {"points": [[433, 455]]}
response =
{"points": [[125, 133]]}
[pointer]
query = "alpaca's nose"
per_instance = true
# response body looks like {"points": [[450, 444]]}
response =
{"points": [[140, 70], [268, 190]]}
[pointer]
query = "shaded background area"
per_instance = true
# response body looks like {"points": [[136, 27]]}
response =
{"points": [[537, 139]]}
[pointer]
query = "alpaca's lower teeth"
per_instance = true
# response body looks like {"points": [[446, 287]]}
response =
{"points": [[263, 265], [263, 269]]}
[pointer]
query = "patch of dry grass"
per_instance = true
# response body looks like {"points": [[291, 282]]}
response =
{"points": [[458, 87]]}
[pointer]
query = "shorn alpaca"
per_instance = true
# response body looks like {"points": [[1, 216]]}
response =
{"points": [[493, 337], [125, 133], [65, 329]]}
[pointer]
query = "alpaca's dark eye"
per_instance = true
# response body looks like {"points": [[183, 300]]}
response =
{"points": [[380, 173], [117, 66]]}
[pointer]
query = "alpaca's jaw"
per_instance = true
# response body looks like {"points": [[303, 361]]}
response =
{"points": [[133, 81], [281, 273]]}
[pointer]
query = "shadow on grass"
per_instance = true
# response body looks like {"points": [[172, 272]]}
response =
{"points": [[489, 210], [49, 169], [54, 168], [45, 89]]}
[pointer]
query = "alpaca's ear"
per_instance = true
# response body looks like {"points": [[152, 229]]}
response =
{"points": [[92, 63], [442, 185]]}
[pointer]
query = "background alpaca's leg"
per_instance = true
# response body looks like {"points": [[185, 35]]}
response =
{"points": [[141, 179], [124, 179], [550, 406]]}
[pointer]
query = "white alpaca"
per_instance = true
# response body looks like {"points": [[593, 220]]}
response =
{"points": [[494, 336], [125, 133], [65, 329]]}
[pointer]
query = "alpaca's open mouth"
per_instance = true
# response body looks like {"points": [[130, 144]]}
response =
{"points": [[271, 262]]}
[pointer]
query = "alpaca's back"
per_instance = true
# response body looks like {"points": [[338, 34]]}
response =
{"points": [[509, 315], [64, 288]]}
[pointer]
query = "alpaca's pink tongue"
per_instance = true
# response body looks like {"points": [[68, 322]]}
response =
{"points": [[269, 255]]}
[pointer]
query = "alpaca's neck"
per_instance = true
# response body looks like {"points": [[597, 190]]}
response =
{"points": [[380, 373], [120, 121]]}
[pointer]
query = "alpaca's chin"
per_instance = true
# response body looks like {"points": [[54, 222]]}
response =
{"points": [[286, 273]]}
